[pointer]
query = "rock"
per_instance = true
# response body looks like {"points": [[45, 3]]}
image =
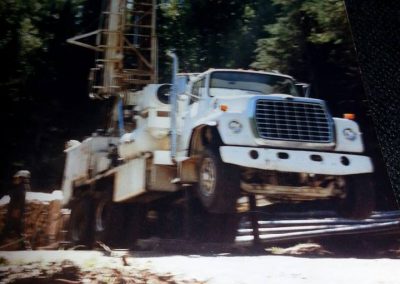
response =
{"points": [[301, 249]]}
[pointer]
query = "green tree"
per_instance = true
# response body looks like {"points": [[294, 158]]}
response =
{"points": [[211, 34], [311, 40], [38, 78]]}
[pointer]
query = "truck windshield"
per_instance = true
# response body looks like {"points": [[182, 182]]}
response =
{"points": [[256, 82]]}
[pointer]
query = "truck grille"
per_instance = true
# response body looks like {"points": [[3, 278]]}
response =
{"points": [[293, 121]]}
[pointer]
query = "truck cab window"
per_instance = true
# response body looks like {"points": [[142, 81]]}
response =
{"points": [[254, 82]]}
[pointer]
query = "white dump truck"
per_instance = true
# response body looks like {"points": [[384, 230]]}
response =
{"points": [[219, 136]]}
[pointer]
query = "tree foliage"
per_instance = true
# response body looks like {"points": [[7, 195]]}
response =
{"points": [[311, 40], [211, 34], [39, 77]]}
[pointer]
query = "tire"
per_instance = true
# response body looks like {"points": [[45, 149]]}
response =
{"points": [[81, 229], [219, 184], [170, 223], [135, 224], [360, 198], [108, 221]]}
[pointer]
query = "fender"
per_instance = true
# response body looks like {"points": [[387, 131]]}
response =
{"points": [[210, 123], [191, 125], [195, 139]]}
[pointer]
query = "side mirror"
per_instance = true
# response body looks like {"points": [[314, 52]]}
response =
{"points": [[303, 89]]}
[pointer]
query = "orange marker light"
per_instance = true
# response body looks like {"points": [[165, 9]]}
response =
{"points": [[223, 107], [351, 116]]}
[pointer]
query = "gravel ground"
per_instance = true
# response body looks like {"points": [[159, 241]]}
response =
{"points": [[75, 267], [94, 267]]}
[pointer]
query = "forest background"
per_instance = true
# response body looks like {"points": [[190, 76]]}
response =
{"points": [[43, 80]]}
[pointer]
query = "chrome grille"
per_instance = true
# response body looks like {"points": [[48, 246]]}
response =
{"points": [[293, 121]]}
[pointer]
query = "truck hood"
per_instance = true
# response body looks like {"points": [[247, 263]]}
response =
{"points": [[238, 100]]}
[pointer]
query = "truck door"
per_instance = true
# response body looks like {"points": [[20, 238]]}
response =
{"points": [[190, 113]]}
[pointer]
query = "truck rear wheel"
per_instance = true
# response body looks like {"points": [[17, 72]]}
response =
{"points": [[219, 184], [135, 224], [360, 198], [108, 221], [81, 222]]}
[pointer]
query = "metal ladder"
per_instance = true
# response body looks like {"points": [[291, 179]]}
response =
{"points": [[140, 44]]}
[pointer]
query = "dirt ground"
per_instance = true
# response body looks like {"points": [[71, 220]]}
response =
{"points": [[342, 260]]}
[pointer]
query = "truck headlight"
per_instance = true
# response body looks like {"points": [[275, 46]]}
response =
{"points": [[350, 134], [235, 126]]}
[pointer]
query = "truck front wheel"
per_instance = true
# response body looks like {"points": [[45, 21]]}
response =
{"points": [[360, 198], [219, 183]]}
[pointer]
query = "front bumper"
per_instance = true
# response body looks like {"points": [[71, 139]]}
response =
{"points": [[296, 161]]}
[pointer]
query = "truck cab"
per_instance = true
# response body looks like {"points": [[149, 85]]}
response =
{"points": [[251, 132]]}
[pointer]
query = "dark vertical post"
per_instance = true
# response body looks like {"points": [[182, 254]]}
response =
{"points": [[188, 214], [375, 28], [254, 220]]}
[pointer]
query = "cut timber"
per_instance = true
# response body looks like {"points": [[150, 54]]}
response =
{"points": [[43, 220]]}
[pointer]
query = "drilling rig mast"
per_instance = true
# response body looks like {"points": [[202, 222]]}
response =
{"points": [[125, 46]]}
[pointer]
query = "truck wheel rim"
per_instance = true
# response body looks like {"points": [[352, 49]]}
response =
{"points": [[207, 177], [100, 216]]}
